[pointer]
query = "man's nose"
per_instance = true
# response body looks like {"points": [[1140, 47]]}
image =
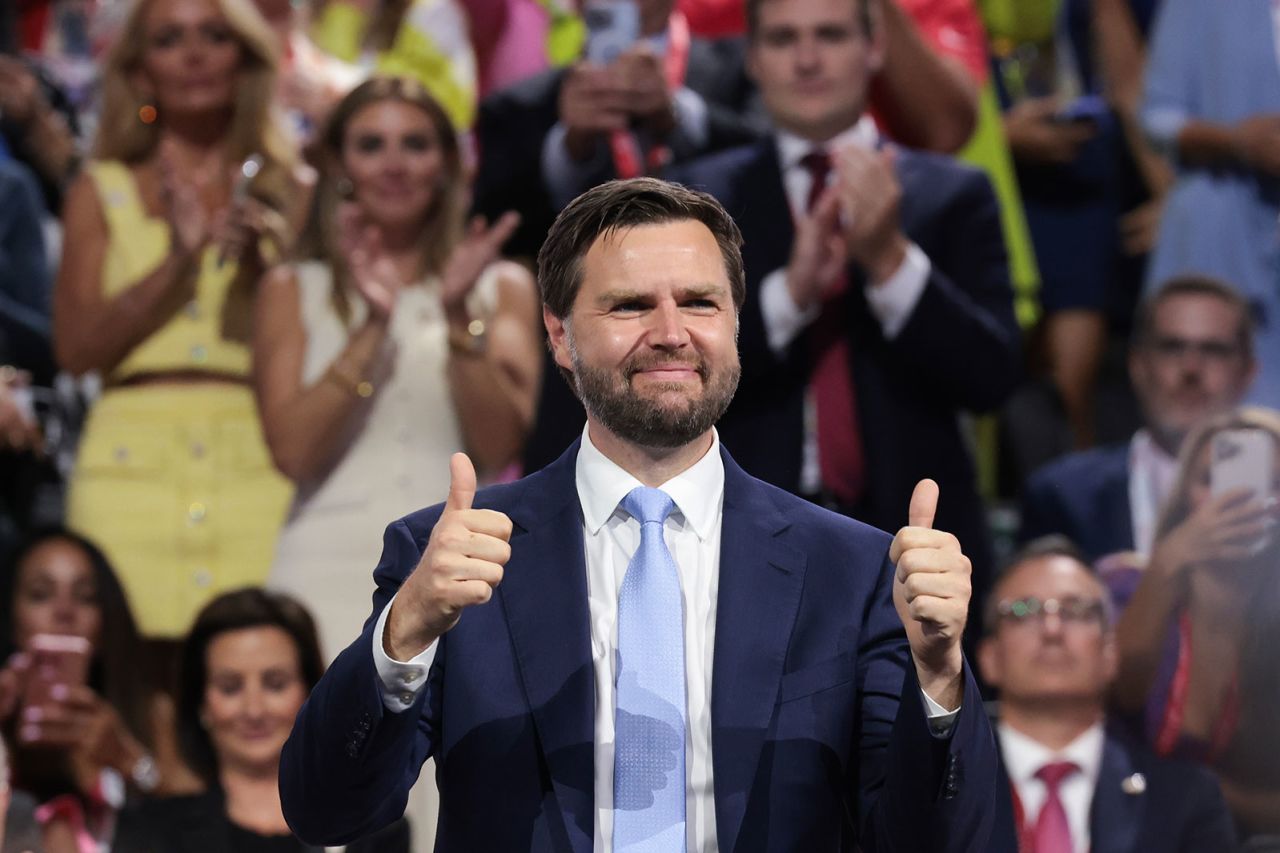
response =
{"points": [[668, 326]]}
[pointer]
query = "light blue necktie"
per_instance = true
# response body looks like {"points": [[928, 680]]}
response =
{"points": [[648, 762]]}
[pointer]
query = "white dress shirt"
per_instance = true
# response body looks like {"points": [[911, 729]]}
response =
{"points": [[610, 538], [891, 301], [1152, 472], [1023, 757]]}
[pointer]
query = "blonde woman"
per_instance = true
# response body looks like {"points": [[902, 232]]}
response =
{"points": [[400, 340], [165, 241], [1198, 637]]}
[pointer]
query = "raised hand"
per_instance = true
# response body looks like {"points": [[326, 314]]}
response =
{"points": [[372, 270], [818, 253], [189, 221], [592, 102], [461, 567], [870, 202], [1229, 528], [931, 591], [480, 247]]}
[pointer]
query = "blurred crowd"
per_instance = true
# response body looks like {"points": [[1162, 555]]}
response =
{"points": [[266, 264]]}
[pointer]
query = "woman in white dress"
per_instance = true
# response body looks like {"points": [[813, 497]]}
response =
{"points": [[398, 341]]}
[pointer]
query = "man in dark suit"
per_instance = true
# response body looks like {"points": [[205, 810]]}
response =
{"points": [[879, 305], [1191, 358], [709, 665], [1071, 784]]}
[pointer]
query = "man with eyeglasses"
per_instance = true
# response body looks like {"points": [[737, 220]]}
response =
{"points": [[1071, 784], [1191, 357]]}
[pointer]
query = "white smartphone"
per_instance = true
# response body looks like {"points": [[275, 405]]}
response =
{"points": [[612, 27], [1242, 459]]}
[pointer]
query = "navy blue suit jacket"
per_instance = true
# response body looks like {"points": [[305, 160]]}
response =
{"points": [[1084, 496], [809, 738], [960, 349], [1180, 809]]}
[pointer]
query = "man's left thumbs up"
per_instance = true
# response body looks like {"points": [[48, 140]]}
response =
{"points": [[931, 591]]}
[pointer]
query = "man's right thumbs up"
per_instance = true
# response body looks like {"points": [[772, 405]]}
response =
{"points": [[461, 567]]}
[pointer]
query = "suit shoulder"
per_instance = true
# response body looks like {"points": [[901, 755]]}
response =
{"points": [[1084, 470], [716, 173], [941, 177], [533, 91]]}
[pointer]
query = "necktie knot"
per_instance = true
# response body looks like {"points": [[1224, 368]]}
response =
{"points": [[818, 164], [1053, 773], [648, 505]]}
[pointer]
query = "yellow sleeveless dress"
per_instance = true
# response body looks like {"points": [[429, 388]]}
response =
{"points": [[174, 481]]}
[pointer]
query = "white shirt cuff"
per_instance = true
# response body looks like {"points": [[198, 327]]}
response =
{"points": [[893, 301], [940, 719], [562, 177], [691, 116], [400, 682], [783, 319]]}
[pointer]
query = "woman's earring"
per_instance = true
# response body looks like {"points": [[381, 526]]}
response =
{"points": [[147, 114]]}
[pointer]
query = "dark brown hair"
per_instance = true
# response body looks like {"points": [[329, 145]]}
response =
{"points": [[233, 611], [1194, 285], [621, 205], [114, 670], [1052, 545]]}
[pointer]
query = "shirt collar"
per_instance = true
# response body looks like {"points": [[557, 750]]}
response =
{"points": [[1023, 757], [792, 148], [698, 491]]}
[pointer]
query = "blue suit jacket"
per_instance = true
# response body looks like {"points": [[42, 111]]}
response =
{"points": [[1180, 809], [809, 738], [959, 350], [1084, 496]]}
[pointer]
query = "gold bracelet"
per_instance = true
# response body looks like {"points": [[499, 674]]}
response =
{"points": [[471, 341], [353, 385]]}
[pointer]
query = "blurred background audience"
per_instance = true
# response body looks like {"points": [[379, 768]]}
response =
{"points": [[252, 249], [247, 666], [167, 231]]}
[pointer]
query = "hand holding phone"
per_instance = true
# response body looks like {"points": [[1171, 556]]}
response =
{"points": [[56, 663]]}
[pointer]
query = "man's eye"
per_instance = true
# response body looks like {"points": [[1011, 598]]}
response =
{"points": [[628, 307]]}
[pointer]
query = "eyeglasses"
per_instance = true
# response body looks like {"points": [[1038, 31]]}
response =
{"points": [[1076, 611], [1176, 349]]}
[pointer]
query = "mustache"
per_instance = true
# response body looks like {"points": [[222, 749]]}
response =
{"points": [[642, 363]]}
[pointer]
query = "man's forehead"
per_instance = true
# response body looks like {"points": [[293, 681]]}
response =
{"points": [[1048, 575], [1200, 311]]}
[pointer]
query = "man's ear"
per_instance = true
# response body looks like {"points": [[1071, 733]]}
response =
{"points": [[558, 336], [877, 40], [989, 662]]}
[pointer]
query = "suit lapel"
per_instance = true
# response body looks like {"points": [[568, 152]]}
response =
{"points": [[763, 212], [544, 597], [1116, 815], [760, 583], [1115, 500]]}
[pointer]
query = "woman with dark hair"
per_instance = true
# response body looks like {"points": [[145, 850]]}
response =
{"points": [[83, 748], [1198, 638], [247, 666]]}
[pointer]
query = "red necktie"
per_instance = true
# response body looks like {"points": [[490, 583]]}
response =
{"points": [[1053, 833], [831, 381]]}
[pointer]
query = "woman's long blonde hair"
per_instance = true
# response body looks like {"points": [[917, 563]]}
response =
{"points": [[441, 227], [254, 127]]}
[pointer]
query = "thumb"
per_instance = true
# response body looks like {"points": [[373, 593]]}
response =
{"points": [[462, 482], [924, 504]]}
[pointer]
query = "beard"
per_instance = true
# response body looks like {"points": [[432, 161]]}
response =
{"points": [[612, 400]]}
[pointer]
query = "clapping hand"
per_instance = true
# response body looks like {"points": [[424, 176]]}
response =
{"points": [[931, 591], [480, 247], [372, 269]]}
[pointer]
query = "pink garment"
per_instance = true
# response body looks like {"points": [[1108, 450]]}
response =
{"points": [[513, 51]]}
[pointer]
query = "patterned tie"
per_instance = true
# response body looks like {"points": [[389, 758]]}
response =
{"points": [[649, 724], [1053, 833], [831, 381]]}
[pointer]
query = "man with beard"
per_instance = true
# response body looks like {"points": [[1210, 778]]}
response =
{"points": [[1072, 784], [641, 647], [1191, 358]]}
